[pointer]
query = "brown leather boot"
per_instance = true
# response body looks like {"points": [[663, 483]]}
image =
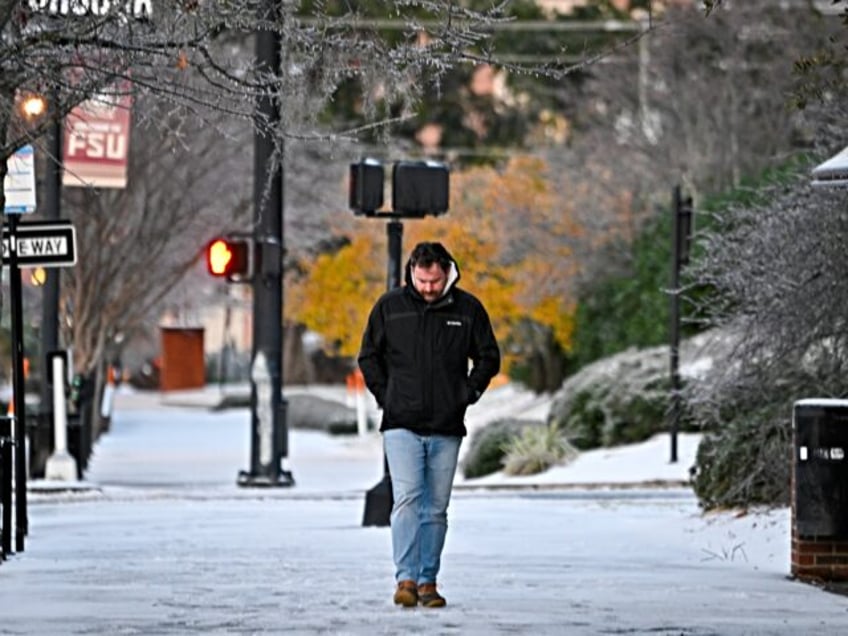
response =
{"points": [[429, 597], [406, 593]]}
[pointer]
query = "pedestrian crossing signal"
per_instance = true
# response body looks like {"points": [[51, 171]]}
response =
{"points": [[227, 257]]}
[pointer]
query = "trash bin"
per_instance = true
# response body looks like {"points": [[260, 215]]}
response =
{"points": [[183, 364], [820, 466]]}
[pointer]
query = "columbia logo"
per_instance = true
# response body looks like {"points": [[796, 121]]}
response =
{"points": [[453, 323]]}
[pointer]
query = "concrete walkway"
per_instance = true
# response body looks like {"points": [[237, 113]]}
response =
{"points": [[164, 542]]}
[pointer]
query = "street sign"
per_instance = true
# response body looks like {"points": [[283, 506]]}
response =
{"points": [[43, 244], [19, 185]]}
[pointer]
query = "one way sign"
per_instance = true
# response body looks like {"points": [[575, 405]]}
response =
{"points": [[43, 244]]}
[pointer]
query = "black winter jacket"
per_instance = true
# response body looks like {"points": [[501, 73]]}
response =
{"points": [[415, 354]]}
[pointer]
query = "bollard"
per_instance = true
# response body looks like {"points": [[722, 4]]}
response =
{"points": [[60, 465], [6, 443], [108, 400]]}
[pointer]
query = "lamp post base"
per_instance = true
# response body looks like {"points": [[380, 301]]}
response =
{"points": [[247, 480]]}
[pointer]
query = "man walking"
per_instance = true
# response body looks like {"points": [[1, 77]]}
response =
{"points": [[415, 358]]}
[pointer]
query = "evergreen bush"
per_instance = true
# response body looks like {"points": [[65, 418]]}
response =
{"points": [[745, 463]]}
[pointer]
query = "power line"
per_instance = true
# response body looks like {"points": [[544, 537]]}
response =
{"points": [[575, 26], [499, 26]]}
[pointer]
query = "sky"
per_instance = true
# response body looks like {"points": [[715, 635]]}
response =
{"points": [[159, 539]]}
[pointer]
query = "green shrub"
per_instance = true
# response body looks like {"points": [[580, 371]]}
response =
{"points": [[624, 399], [585, 421], [635, 419], [744, 463], [486, 453], [537, 449]]}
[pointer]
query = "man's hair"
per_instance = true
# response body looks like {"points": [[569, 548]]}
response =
{"points": [[426, 253]]}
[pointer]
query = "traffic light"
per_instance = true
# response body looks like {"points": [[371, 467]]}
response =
{"points": [[366, 187], [228, 257], [420, 188]]}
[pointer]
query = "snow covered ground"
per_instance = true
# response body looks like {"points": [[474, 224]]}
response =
{"points": [[162, 541], [171, 442]]}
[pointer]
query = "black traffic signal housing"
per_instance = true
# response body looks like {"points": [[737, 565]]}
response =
{"points": [[229, 257], [420, 188], [366, 187]]}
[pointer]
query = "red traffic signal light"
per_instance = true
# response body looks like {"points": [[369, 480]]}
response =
{"points": [[227, 257]]}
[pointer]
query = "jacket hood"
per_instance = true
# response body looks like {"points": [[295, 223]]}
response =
{"points": [[453, 272]]}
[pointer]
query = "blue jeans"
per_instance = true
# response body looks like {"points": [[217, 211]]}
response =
{"points": [[422, 469]]}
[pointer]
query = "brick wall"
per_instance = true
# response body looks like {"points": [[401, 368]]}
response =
{"points": [[819, 559]]}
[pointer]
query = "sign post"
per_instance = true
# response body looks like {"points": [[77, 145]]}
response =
{"points": [[18, 403], [43, 244]]}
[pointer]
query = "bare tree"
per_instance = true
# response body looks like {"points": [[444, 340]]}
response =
{"points": [[705, 102], [139, 241], [195, 83], [193, 55], [190, 68], [701, 103], [136, 245]]}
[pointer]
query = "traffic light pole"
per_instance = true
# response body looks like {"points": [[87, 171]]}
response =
{"points": [[418, 189], [379, 500], [269, 433], [394, 234]]}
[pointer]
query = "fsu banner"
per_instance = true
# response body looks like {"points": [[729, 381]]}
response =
{"points": [[96, 141]]}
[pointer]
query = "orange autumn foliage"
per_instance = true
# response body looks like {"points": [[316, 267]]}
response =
{"points": [[510, 233], [339, 288]]}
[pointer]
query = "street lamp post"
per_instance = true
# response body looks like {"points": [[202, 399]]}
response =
{"points": [[50, 289], [681, 223], [269, 432], [32, 107], [18, 403]]}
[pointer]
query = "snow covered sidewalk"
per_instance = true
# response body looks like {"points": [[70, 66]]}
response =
{"points": [[164, 542], [222, 448]]}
